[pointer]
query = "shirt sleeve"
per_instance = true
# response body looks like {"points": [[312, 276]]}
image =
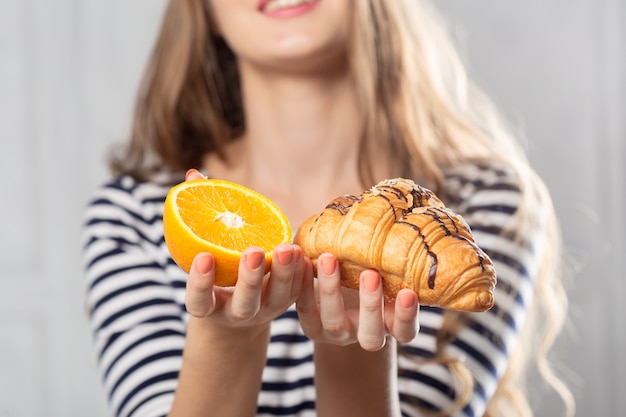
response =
{"points": [[137, 324], [487, 197]]}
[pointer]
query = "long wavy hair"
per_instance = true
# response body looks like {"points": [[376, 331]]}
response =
{"points": [[418, 102]]}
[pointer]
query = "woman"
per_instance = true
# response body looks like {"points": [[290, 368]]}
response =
{"points": [[304, 101]]}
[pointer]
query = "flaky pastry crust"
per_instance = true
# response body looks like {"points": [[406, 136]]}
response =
{"points": [[406, 233]]}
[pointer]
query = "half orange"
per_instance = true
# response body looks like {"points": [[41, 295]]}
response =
{"points": [[222, 218]]}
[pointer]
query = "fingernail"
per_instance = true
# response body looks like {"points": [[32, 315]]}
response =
{"points": [[190, 172], [193, 171], [407, 299], [204, 263], [329, 264], [371, 281], [254, 259], [284, 256]]}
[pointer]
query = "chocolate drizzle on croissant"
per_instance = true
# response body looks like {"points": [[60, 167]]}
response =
{"points": [[407, 234]]}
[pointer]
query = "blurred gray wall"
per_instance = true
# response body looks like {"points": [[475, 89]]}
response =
{"points": [[557, 68], [68, 74]]}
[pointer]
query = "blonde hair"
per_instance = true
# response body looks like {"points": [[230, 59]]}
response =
{"points": [[417, 99], [418, 94]]}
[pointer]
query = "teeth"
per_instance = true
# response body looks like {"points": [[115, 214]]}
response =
{"points": [[284, 4]]}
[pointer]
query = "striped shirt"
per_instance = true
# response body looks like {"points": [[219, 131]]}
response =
{"points": [[135, 301]]}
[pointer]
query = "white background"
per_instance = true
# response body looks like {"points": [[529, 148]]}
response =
{"points": [[68, 75]]}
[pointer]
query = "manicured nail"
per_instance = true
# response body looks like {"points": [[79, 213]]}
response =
{"points": [[204, 263], [284, 256], [190, 172], [329, 264], [193, 171], [407, 299], [254, 259], [371, 281]]}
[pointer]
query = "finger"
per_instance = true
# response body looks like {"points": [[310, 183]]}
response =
{"points": [[332, 311], [281, 277], [306, 304], [371, 331], [405, 324], [199, 297], [246, 300], [296, 284]]}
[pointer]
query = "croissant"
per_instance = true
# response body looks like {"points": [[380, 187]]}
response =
{"points": [[406, 233]]}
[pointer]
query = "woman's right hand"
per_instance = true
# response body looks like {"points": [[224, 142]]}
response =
{"points": [[255, 299]]}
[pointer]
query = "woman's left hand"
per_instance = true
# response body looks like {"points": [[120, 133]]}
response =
{"points": [[332, 314]]}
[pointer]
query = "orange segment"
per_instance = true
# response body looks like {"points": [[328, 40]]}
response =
{"points": [[222, 218]]}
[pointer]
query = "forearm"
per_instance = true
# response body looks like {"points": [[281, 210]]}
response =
{"points": [[220, 376], [353, 382]]}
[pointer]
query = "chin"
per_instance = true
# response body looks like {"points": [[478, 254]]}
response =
{"points": [[304, 56]]}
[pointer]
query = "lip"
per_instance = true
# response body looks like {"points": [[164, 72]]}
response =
{"points": [[287, 12]]}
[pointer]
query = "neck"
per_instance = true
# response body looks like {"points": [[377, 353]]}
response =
{"points": [[297, 124], [301, 142]]}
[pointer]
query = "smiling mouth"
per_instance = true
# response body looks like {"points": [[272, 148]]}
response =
{"points": [[274, 5]]}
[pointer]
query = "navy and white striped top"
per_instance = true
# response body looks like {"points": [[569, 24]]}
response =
{"points": [[135, 301]]}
